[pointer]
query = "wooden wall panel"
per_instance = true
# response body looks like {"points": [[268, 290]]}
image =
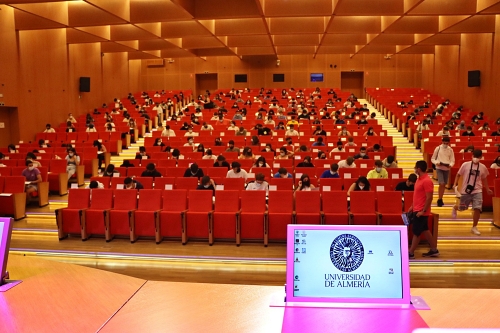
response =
{"points": [[446, 70], [428, 71], [8, 55], [134, 74], [115, 75]]}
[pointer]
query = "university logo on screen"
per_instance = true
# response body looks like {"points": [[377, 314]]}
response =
{"points": [[347, 254]]}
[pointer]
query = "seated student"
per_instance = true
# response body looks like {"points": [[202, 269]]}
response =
{"points": [[70, 127], [282, 173], [49, 129], [176, 154], [71, 119], [72, 161], [190, 143], [241, 131], [361, 184], [33, 176], [339, 148], [362, 154], [95, 184], [375, 149], [370, 132], [185, 126], [168, 132], [207, 183], [306, 163], [497, 132], [268, 148], [194, 171], [332, 173], [260, 163], [344, 132], [468, 149], [206, 127], [378, 171], [362, 121], [209, 155], [151, 171], [319, 142], [190, 132], [110, 170], [221, 162], [350, 142], [319, 131], [237, 172], [247, 154], [321, 155], [468, 132], [461, 126], [132, 184], [496, 163], [304, 183], [142, 154], [284, 154], [125, 164], [32, 157], [485, 127], [231, 147], [259, 184], [389, 162], [407, 185], [347, 163], [291, 131]]}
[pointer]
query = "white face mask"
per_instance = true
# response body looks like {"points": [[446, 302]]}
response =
{"points": [[282, 154], [378, 169], [475, 160], [332, 172], [31, 168], [71, 154], [361, 186], [268, 149], [362, 154], [190, 141], [206, 186]]}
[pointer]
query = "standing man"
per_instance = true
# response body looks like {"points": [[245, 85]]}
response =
{"points": [[421, 209], [474, 176], [443, 158]]}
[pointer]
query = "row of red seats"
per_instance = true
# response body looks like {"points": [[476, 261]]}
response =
{"points": [[236, 216], [13, 197]]}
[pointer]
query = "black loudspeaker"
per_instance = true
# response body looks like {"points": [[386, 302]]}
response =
{"points": [[84, 84], [474, 79]]}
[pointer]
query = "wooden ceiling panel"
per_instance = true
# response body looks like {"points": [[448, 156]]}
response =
{"points": [[254, 50], [337, 49], [356, 25], [154, 44], [141, 55], [298, 8], [129, 32], [415, 24], [281, 40], [54, 11], [81, 14], [419, 49], [370, 7], [183, 29], [27, 21], [212, 52], [244, 26], [74, 36], [176, 53], [111, 47], [394, 39], [495, 9], [213, 9], [344, 39], [474, 24], [119, 8], [257, 40], [378, 49], [445, 7], [295, 49], [201, 42], [442, 39], [156, 11], [299, 25]]}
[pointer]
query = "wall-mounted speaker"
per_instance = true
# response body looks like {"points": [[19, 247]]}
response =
{"points": [[84, 84], [474, 79]]}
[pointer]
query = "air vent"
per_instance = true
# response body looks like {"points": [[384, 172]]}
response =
{"points": [[155, 62]]}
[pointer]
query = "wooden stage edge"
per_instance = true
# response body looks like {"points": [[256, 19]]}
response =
{"points": [[59, 297]]}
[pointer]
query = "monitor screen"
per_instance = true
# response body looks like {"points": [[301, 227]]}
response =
{"points": [[278, 77], [316, 77], [5, 234], [240, 78], [347, 264]]}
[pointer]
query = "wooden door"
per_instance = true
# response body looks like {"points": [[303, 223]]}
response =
{"points": [[353, 82]]}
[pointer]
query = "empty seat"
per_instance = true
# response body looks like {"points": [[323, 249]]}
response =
{"points": [[199, 215], [186, 183], [334, 205], [226, 215], [71, 220], [253, 216], [234, 184], [173, 215], [13, 197], [308, 207], [363, 208], [147, 216], [121, 217], [282, 184], [97, 216], [389, 208], [335, 184], [281, 213]]}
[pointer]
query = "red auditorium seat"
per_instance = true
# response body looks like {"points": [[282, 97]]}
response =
{"points": [[363, 208], [161, 182], [389, 208], [281, 213], [186, 183], [253, 216], [199, 215], [58, 178], [97, 216], [226, 215], [233, 184], [308, 207], [71, 220], [334, 205], [282, 184], [105, 181], [408, 200], [13, 197], [335, 184], [173, 215], [217, 172], [147, 182], [121, 217], [147, 215], [115, 181]]}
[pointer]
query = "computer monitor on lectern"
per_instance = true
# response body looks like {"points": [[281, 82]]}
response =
{"points": [[5, 234]]}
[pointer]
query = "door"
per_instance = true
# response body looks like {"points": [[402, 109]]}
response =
{"points": [[206, 82], [9, 126], [353, 82]]}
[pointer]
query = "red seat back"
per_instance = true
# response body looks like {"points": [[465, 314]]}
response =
{"points": [[78, 198], [174, 200], [200, 201], [307, 201], [253, 201], [282, 184], [186, 183], [363, 202], [135, 171], [57, 166], [14, 184], [102, 199], [125, 200], [280, 201], [150, 200], [234, 184], [115, 181], [334, 183], [161, 182], [408, 196], [389, 202], [334, 202], [227, 201], [217, 172], [147, 182]]}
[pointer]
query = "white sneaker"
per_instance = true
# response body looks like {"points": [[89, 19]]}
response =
{"points": [[453, 213], [475, 231]]}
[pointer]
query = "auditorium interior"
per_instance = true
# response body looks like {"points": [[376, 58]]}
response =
{"points": [[92, 57]]}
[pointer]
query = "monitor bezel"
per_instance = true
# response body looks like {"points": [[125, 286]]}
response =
{"points": [[5, 246], [405, 269]]}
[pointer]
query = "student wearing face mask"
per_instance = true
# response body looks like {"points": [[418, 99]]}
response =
{"points": [[321, 155], [236, 171], [151, 171], [32, 157], [473, 176], [282, 173], [221, 162], [332, 172], [190, 143], [361, 184], [206, 127], [284, 154], [33, 177], [420, 211], [72, 160], [344, 132], [444, 159], [167, 132], [142, 154], [468, 132], [209, 155], [339, 148], [319, 131], [190, 132], [362, 154], [49, 129], [306, 163], [268, 149], [319, 142], [231, 148], [194, 171], [461, 126], [260, 163], [259, 184], [496, 163], [304, 183], [378, 172], [132, 184], [206, 184], [247, 154], [370, 132]]}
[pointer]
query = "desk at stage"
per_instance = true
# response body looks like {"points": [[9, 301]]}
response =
{"points": [[57, 297]]}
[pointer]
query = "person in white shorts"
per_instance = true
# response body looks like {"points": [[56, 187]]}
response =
{"points": [[474, 177], [443, 158]]}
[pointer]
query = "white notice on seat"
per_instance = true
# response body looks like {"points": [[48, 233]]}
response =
{"points": [[394, 176], [326, 188], [168, 186], [364, 165], [119, 186], [273, 188], [219, 187], [347, 175], [276, 165], [74, 185], [380, 188]]}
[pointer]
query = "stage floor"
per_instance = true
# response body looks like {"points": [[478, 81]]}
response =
{"points": [[59, 297]]}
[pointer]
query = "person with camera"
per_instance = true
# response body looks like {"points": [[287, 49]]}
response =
{"points": [[443, 158], [474, 177]]}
